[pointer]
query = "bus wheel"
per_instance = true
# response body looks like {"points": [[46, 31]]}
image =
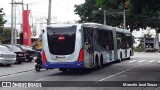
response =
{"points": [[96, 63], [101, 62], [120, 59], [129, 56], [38, 68]]}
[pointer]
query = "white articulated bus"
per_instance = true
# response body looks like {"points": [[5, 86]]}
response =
{"points": [[87, 45]]}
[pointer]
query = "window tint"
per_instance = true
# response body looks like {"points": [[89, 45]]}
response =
{"points": [[105, 39], [121, 40], [61, 41], [129, 40]]}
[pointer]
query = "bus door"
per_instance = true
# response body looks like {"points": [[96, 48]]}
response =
{"points": [[88, 40], [125, 45], [111, 44]]}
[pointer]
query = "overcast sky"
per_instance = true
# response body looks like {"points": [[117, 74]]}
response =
{"points": [[62, 10]]}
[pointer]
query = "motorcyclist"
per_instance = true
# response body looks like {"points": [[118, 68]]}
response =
{"points": [[38, 61], [39, 57]]}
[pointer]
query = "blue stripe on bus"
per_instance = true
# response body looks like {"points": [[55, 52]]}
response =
{"points": [[75, 64]]}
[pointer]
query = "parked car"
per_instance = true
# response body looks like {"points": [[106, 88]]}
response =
{"points": [[28, 51], [6, 56], [20, 55]]}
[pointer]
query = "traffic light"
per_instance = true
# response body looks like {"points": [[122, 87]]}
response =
{"points": [[126, 4]]}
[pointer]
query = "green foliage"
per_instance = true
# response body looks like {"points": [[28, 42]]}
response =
{"points": [[89, 12], [2, 21], [3, 32], [5, 37], [143, 13], [111, 4], [140, 48], [140, 13]]}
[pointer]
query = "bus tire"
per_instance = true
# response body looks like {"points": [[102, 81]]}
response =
{"points": [[129, 56], [120, 59], [101, 62], [96, 63], [37, 68]]}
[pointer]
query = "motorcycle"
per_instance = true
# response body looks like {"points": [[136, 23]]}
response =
{"points": [[38, 61]]}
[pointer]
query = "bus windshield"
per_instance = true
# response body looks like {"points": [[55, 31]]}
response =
{"points": [[61, 41]]}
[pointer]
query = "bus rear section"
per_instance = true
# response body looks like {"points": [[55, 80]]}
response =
{"points": [[62, 47]]}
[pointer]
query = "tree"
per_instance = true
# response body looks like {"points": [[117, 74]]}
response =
{"points": [[91, 11], [144, 13], [114, 9], [5, 37], [2, 21], [139, 13]]}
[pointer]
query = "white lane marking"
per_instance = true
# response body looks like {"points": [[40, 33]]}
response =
{"points": [[152, 61], [15, 74], [119, 73], [142, 61], [42, 79], [159, 61], [132, 61]]}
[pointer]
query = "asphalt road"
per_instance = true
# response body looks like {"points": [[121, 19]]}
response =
{"points": [[141, 67]]}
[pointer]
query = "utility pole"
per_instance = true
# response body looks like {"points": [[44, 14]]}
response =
{"points": [[15, 30], [49, 13], [13, 21], [124, 18], [104, 17], [126, 5], [27, 6], [21, 38]]}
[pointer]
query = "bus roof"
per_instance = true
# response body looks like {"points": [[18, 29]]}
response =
{"points": [[62, 25], [96, 25], [93, 25], [122, 30]]}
